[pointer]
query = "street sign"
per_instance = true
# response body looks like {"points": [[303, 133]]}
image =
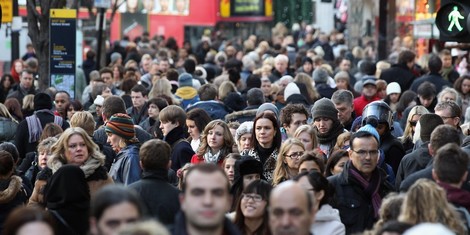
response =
{"points": [[452, 20], [6, 11], [63, 49]]}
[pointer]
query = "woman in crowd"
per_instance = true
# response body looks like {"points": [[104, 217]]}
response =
{"points": [[152, 123], [75, 147], [307, 135], [16, 69], [216, 143], [304, 78], [72, 107], [126, 87], [448, 94], [426, 202], [8, 125], [310, 161], [393, 95], [29, 220], [28, 105], [336, 162], [342, 141], [247, 170], [229, 166], [243, 136], [266, 141], [462, 86], [39, 161], [251, 215], [196, 120], [287, 165], [163, 87], [121, 136], [412, 119], [327, 220], [407, 99], [225, 88], [6, 83], [14, 107]]}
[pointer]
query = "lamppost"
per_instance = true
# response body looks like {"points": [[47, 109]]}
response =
{"points": [[102, 5]]}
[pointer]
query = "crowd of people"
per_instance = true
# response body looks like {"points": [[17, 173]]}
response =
{"points": [[296, 134]]}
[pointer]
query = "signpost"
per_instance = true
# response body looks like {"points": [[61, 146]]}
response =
{"points": [[63, 26]]}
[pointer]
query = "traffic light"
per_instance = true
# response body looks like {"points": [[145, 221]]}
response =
{"points": [[453, 21]]}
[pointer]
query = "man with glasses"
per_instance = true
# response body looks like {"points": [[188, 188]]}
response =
{"points": [[362, 185], [450, 113]]}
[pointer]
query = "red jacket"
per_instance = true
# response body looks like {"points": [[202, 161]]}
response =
{"points": [[361, 102], [196, 160]]}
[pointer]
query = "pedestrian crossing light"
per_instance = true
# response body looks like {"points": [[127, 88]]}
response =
{"points": [[453, 21]]}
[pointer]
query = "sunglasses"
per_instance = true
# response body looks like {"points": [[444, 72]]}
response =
{"points": [[413, 123]]}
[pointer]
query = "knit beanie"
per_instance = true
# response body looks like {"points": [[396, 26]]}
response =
{"points": [[115, 56], [324, 107], [428, 123], [244, 128], [369, 128], [291, 89], [320, 75], [270, 107], [393, 87], [42, 101], [121, 125], [185, 79]]}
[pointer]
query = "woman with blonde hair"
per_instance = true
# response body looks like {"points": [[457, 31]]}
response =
{"points": [[308, 82], [410, 127], [307, 135], [225, 88], [426, 202], [216, 143], [288, 161], [28, 105], [162, 87]]}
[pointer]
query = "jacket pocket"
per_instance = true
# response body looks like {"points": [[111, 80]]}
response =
{"points": [[349, 210]]}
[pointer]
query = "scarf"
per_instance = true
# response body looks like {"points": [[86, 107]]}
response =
{"points": [[446, 71], [212, 158], [371, 188], [331, 136], [89, 167]]}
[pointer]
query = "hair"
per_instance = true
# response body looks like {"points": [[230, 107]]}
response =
{"points": [[405, 99], [207, 92], [361, 134], [28, 102], [5, 77], [14, 107], [5, 113], [161, 87], [343, 137], [127, 85], [111, 195], [289, 110], [448, 90], [263, 189], [50, 130], [408, 132], [442, 135], [228, 139], [277, 135], [234, 156], [85, 120], [160, 102], [427, 90], [225, 88], [319, 183], [314, 156], [46, 144], [112, 105], [305, 79], [255, 96], [10, 148], [342, 96], [390, 209], [458, 83], [311, 131], [207, 168], [155, 154], [425, 202], [234, 75], [139, 88], [200, 118], [406, 56], [450, 163], [25, 215], [75, 104], [7, 163], [281, 172], [173, 114], [434, 63], [334, 159], [61, 146], [180, 174], [452, 106], [106, 70]]}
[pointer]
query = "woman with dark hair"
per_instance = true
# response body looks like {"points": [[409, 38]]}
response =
{"points": [[6, 83], [72, 107], [336, 162], [126, 87], [196, 120], [266, 138], [152, 123], [327, 219], [29, 220], [462, 86], [14, 107], [406, 100], [251, 215], [216, 143]]}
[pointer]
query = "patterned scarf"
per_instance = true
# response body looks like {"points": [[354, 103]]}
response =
{"points": [[212, 158], [371, 188]]}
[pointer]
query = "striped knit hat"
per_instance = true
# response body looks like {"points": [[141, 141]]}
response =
{"points": [[121, 125]]}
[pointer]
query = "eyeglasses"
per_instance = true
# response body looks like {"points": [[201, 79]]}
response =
{"points": [[295, 155], [254, 197], [363, 153], [413, 123], [444, 118]]}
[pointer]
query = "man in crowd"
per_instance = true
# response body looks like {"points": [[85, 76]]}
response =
{"points": [[434, 76], [343, 100], [369, 94], [293, 116], [138, 111], [450, 113], [25, 87], [61, 99], [325, 120], [402, 71]]}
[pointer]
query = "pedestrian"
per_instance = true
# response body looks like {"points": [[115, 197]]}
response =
{"points": [[216, 143]]}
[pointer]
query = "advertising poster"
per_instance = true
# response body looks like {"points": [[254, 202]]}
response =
{"points": [[157, 7]]}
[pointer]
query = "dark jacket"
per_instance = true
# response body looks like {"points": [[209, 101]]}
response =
{"points": [[325, 90], [12, 195], [19, 93], [158, 195], [393, 149], [152, 127], [433, 78], [399, 73], [413, 162], [22, 135], [241, 116], [181, 151], [355, 207], [126, 169], [138, 116], [215, 109], [180, 226]]}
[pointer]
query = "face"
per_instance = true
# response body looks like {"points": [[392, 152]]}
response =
{"points": [[323, 124], [306, 140], [341, 84], [266, 87], [18, 66], [298, 119], [106, 92], [414, 120], [215, 138], [229, 168], [35, 228], [288, 213], [42, 158], [307, 67], [466, 86], [264, 131], [252, 207], [153, 111], [61, 100], [338, 167], [164, 66], [77, 151], [70, 112], [245, 141], [447, 117], [107, 78], [146, 65], [192, 129], [114, 218], [148, 5], [281, 66], [345, 65], [247, 179], [7, 82], [26, 80], [114, 141], [364, 155], [292, 156], [138, 100], [426, 102], [448, 97], [369, 90], [167, 127], [394, 97], [446, 61], [344, 112], [205, 200], [308, 166]]}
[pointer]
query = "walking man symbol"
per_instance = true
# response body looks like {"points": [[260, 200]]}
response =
{"points": [[454, 17]]}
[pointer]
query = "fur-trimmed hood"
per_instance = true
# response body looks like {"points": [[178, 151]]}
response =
{"points": [[89, 167], [10, 192]]}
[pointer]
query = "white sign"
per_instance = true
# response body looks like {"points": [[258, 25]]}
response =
{"points": [[103, 3]]}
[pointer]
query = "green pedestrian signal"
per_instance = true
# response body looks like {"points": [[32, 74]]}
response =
{"points": [[452, 20], [454, 17]]}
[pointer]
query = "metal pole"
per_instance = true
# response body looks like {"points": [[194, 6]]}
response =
{"points": [[15, 36], [382, 47], [100, 39]]}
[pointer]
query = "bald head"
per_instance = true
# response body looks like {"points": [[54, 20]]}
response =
{"points": [[291, 210]]}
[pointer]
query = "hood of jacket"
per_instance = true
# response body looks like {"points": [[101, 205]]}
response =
{"points": [[186, 93], [327, 213], [9, 189]]}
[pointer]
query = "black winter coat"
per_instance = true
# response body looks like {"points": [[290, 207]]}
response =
{"points": [[399, 73], [181, 151], [180, 226], [413, 162]]}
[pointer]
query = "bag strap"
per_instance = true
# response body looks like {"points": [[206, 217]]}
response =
{"points": [[62, 220]]}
